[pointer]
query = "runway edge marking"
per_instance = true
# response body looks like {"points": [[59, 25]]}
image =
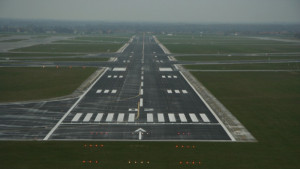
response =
{"points": [[74, 105], [222, 124]]}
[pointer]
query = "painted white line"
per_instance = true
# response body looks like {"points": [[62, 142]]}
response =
{"points": [[109, 76], [169, 77], [115, 76], [99, 91], [161, 117], [88, 117], [119, 69], [148, 109], [141, 102], [142, 72], [182, 118], [142, 77], [169, 91], [141, 91], [161, 61], [106, 91], [184, 92], [175, 77], [109, 117], [163, 76], [128, 61], [121, 76], [114, 91], [194, 117], [204, 117], [142, 84], [98, 117], [177, 91], [155, 56], [165, 69], [76, 117], [131, 109], [74, 105], [120, 117], [124, 61], [131, 117], [172, 117], [142, 68], [222, 124], [150, 117]]}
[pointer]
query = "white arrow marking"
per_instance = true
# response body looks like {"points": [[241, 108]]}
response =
{"points": [[140, 131]]}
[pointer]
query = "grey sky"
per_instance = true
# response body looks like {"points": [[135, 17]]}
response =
{"points": [[192, 11]]}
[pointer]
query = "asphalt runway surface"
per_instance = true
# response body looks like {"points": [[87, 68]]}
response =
{"points": [[141, 96]]}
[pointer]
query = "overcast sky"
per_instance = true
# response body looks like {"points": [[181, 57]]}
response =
{"points": [[191, 11]]}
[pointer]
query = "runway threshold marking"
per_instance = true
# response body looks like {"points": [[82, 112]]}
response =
{"points": [[74, 105]]}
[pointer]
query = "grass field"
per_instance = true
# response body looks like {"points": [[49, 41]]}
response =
{"points": [[71, 59], [267, 103], [228, 58], [5, 55], [13, 40], [252, 66], [208, 44], [17, 83]]}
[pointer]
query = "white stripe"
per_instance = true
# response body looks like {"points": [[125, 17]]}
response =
{"points": [[218, 119], [76, 117], [141, 102], [184, 92], [114, 91], [163, 76], [182, 117], [169, 91], [161, 61], [193, 117], [175, 77], [141, 92], [74, 105], [149, 117], [161, 117], [131, 117], [177, 91], [115, 76], [172, 117], [142, 77], [142, 72], [169, 77], [98, 117], [142, 84], [109, 117], [99, 91], [88, 117], [121, 76], [109, 76], [120, 117], [106, 91], [204, 117]]}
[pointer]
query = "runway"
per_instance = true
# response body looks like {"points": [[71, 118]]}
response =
{"points": [[140, 97]]}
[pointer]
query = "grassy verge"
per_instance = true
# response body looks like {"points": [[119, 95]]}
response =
{"points": [[12, 40], [266, 103], [34, 54], [73, 48], [256, 66], [228, 58], [37, 83]]}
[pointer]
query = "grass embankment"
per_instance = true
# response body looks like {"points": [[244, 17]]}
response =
{"points": [[13, 40], [5, 55], [211, 44], [252, 66], [19, 84], [266, 103]]}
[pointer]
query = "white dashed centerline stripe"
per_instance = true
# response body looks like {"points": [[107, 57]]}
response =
{"points": [[106, 91], [163, 76], [74, 105], [142, 84], [184, 92], [76, 117], [109, 76], [121, 76], [177, 91], [141, 102], [88, 117], [169, 77], [114, 91], [99, 91], [175, 77], [141, 92], [98, 117], [169, 91], [115, 76], [142, 77], [204, 117]]}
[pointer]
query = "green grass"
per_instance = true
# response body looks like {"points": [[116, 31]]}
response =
{"points": [[13, 40], [266, 103], [34, 54], [254, 66], [228, 58], [71, 59], [19, 84], [73, 48]]}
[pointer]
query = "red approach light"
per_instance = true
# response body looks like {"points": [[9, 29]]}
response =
{"points": [[91, 145], [182, 133], [176, 146], [182, 146], [187, 146], [178, 133], [96, 145], [180, 162], [193, 162], [199, 162], [96, 162], [83, 161], [102, 145], [187, 162]]}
